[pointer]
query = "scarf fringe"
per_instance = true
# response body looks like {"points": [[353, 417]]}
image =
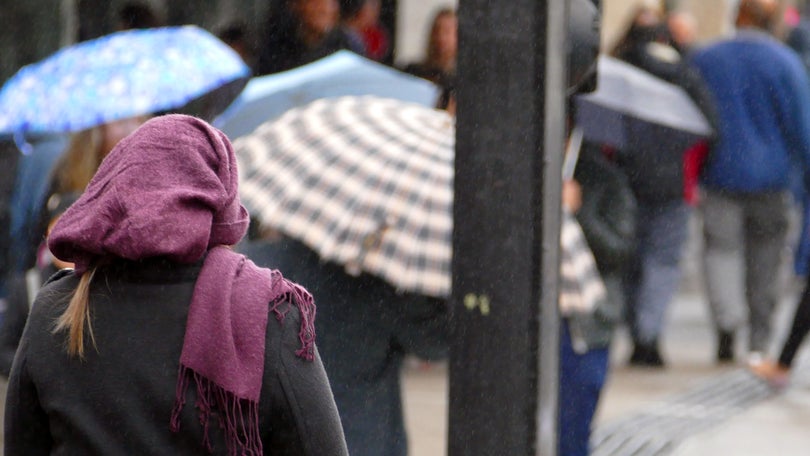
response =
{"points": [[306, 307], [238, 418]]}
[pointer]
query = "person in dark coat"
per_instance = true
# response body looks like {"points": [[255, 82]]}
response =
{"points": [[163, 340], [655, 169], [301, 32], [363, 311]]}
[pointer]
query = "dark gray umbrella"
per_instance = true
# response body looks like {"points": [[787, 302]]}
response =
{"points": [[630, 104]]}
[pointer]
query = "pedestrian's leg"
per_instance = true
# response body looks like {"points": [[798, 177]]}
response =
{"points": [[798, 330], [660, 253], [724, 265], [632, 277], [582, 377], [766, 228], [628, 287]]}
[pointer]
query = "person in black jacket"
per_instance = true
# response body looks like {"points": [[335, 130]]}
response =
{"points": [[363, 311], [163, 340], [655, 169]]}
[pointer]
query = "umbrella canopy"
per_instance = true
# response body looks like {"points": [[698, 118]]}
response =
{"points": [[629, 101], [365, 182], [121, 75], [340, 74]]}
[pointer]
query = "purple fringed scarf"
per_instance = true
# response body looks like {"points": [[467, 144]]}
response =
{"points": [[234, 336], [170, 190]]}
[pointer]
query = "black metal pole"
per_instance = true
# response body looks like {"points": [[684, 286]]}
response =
{"points": [[510, 133]]}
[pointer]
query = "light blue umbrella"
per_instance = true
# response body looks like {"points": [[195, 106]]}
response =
{"points": [[121, 75], [340, 74]]}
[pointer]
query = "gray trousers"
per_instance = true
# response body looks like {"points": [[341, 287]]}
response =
{"points": [[744, 238], [653, 278]]}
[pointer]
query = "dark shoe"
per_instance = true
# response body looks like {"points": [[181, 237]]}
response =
{"points": [[639, 356], [645, 355], [655, 359], [725, 347]]}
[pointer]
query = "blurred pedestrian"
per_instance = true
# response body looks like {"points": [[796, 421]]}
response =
{"points": [[682, 27], [439, 63], [605, 210], [363, 311], [361, 20], [594, 248], [301, 32], [236, 34], [798, 35], [656, 174], [762, 93], [359, 303], [22, 288], [137, 15], [777, 372], [140, 319], [31, 186], [9, 162]]}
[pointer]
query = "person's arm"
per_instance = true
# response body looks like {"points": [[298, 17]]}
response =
{"points": [[26, 429], [795, 116], [608, 214], [13, 322], [306, 419], [692, 83]]}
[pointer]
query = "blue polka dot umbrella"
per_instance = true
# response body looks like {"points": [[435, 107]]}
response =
{"points": [[122, 75]]}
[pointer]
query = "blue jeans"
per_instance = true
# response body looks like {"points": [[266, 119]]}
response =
{"points": [[655, 274], [582, 377]]}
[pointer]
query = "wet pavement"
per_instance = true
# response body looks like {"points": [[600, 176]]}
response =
{"points": [[694, 407]]}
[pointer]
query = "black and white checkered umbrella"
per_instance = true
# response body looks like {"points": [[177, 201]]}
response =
{"points": [[366, 182]]}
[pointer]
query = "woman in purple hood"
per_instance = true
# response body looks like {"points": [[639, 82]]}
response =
{"points": [[160, 312]]}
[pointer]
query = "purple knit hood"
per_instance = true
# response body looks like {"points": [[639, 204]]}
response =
{"points": [[170, 190]]}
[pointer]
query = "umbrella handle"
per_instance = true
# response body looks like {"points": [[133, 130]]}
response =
{"points": [[25, 147], [572, 153], [371, 241]]}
